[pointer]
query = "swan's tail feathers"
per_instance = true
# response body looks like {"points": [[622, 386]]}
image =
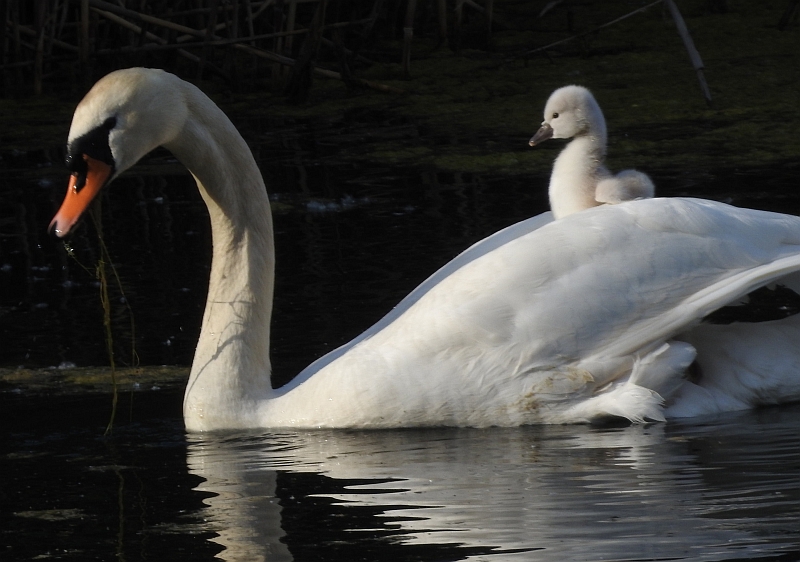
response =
{"points": [[663, 370], [741, 365], [625, 400], [654, 378]]}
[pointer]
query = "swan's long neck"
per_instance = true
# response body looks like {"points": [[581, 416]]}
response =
{"points": [[576, 172], [231, 367]]}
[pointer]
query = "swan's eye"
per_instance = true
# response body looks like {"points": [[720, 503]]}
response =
{"points": [[93, 144], [77, 165], [79, 169], [555, 115]]}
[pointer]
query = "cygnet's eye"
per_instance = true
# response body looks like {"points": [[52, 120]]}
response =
{"points": [[555, 115]]}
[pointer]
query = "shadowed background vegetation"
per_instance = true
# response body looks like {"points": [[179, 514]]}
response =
{"points": [[385, 152], [484, 81]]}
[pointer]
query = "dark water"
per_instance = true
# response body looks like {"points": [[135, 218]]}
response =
{"points": [[352, 240], [717, 489]]}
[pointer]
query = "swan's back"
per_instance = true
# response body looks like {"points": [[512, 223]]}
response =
{"points": [[577, 285], [537, 329]]}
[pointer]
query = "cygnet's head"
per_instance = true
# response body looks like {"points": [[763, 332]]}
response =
{"points": [[571, 111]]}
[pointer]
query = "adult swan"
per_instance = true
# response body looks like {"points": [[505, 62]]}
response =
{"points": [[591, 316]]}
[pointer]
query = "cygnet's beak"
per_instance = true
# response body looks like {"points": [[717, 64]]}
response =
{"points": [[545, 132]]}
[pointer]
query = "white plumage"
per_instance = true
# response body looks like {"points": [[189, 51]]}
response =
{"points": [[591, 316]]}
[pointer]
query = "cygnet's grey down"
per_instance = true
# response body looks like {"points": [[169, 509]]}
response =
{"points": [[580, 179]]}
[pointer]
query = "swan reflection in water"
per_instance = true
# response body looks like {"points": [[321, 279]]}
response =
{"points": [[727, 489]]}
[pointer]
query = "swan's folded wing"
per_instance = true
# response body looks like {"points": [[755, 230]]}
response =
{"points": [[607, 282], [741, 366], [614, 281], [550, 319]]}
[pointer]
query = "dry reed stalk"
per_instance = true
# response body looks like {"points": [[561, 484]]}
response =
{"points": [[408, 36], [299, 83], [475, 5], [48, 34], [261, 9], [137, 16], [100, 273], [83, 43], [683, 31], [25, 30], [211, 24], [232, 23], [290, 25], [694, 55], [148, 35], [591, 31], [40, 22]]}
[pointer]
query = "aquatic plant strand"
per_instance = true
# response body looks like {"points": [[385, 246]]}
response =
{"points": [[100, 274]]}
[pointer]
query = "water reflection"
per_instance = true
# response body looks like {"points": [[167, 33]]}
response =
{"points": [[728, 489]]}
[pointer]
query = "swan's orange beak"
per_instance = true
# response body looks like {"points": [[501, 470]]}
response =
{"points": [[545, 132], [79, 196]]}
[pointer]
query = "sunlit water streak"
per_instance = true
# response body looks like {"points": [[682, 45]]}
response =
{"points": [[718, 489], [713, 492]]}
